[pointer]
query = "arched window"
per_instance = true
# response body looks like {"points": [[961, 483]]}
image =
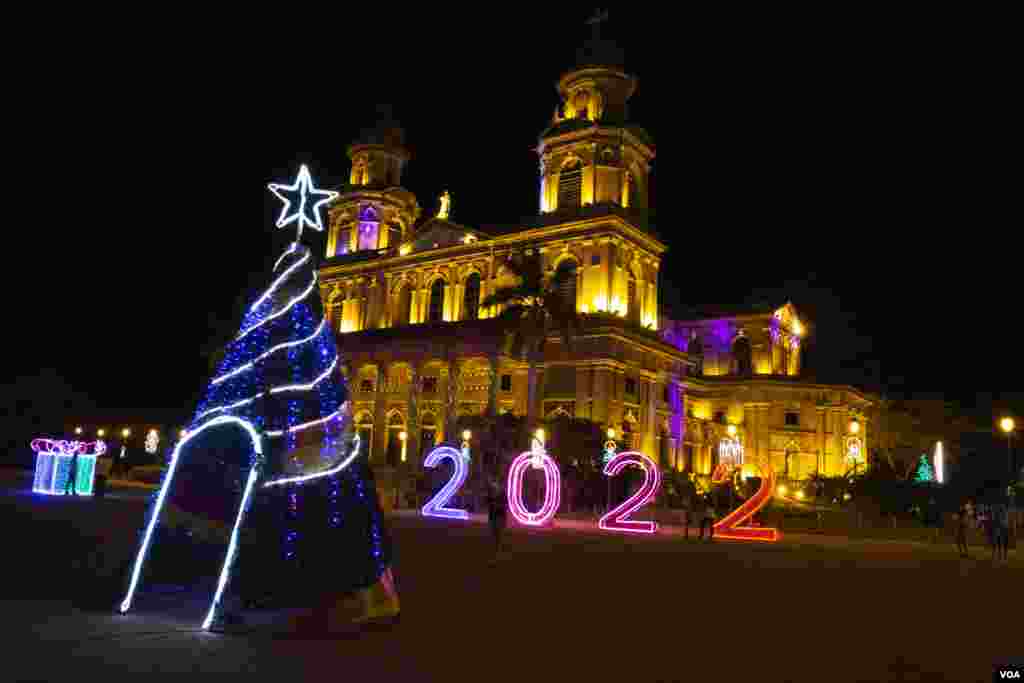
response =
{"points": [[570, 185], [633, 301], [404, 313], [471, 303], [364, 427], [436, 311], [566, 282], [395, 452]]}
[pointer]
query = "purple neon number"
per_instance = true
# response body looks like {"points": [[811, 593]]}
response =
{"points": [[435, 507], [618, 519]]}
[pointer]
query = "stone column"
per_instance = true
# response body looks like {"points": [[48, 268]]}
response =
{"points": [[492, 393], [380, 426], [412, 443], [452, 402], [651, 427], [821, 439]]}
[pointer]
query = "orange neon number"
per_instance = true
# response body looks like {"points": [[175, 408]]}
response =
{"points": [[730, 526]]}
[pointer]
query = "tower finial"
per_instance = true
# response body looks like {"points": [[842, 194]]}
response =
{"points": [[595, 21]]}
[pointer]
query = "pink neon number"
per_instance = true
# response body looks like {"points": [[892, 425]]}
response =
{"points": [[435, 507], [618, 519], [730, 525], [552, 489]]}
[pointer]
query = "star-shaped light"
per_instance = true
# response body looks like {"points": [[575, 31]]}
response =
{"points": [[306, 201]]}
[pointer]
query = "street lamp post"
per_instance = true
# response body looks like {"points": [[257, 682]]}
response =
{"points": [[538, 449], [610, 447], [402, 437], [466, 436], [854, 430], [1007, 425]]}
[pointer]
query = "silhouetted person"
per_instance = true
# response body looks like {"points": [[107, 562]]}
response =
{"points": [[961, 531], [708, 519], [1001, 531], [69, 486], [496, 513]]}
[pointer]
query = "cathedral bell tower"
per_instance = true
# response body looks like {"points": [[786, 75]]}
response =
{"points": [[374, 211], [591, 154]]}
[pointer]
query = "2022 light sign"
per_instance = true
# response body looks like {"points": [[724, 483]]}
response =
{"points": [[616, 520]]}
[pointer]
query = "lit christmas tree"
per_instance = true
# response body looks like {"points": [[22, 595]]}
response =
{"points": [[924, 470], [280, 378]]}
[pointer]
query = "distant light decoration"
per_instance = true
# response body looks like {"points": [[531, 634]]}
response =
{"points": [[610, 447], [730, 527], [78, 431], [939, 464], [53, 465], [730, 457], [436, 506], [854, 450], [152, 441], [618, 518], [229, 557], [730, 451], [302, 202], [552, 488]]}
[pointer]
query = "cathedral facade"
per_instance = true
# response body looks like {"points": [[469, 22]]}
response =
{"points": [[404, 293]]}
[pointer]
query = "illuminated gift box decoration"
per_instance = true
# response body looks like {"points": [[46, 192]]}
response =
{"points": [[53, 465]]}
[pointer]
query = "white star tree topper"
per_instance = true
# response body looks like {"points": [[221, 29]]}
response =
{"points": [[302, 202]]}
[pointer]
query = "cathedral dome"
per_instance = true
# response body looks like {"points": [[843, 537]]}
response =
{"points": [[598, 52]]}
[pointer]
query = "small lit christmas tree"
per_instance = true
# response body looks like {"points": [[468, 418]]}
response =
{"points": [[924, 470]]}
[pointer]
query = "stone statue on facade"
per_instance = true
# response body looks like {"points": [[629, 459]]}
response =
{"points": [[743, 352], [695, 348], [446, 205]]}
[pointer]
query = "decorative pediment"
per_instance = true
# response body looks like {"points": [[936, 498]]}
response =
{"points": [[438, 233]]}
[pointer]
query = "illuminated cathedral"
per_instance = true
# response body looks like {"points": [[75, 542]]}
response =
{"points": [[403, 290]]}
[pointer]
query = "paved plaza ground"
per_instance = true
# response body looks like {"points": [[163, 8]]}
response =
{"points": [[569, 604]]}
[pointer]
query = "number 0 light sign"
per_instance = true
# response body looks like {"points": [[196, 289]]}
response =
{"points": [[552, 488]]}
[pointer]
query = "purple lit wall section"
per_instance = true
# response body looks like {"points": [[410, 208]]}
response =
{"points": [[677, 423], [368, 235], [341, 248], [717, 335], [369, 228]]}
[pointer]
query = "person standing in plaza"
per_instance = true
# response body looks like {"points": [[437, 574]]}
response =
{"points": [[708, 519], [496, 514], [1001, 531], [684, 513], [69, 486], [987, 528], [961, 531]]}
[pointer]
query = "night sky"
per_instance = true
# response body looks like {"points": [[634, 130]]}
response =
{"points": [[849, 173]]}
